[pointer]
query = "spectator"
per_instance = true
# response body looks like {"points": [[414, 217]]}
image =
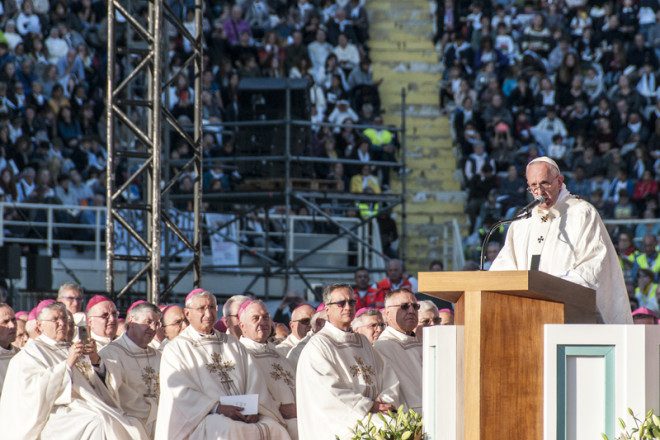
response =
{"points": [[235, 25]]}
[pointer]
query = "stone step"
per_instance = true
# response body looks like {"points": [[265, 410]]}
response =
{"points": [[389, 55], [411, 43]]}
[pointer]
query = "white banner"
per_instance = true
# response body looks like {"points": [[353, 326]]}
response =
{"points": [[224, 252]]}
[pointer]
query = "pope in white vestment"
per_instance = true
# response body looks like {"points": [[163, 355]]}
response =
{"points": [[572, 242], [400, 348], [197, 370], [340, 378], [44, 398]]}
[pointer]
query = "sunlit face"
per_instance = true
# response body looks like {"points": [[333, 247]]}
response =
{"points": [[72, 299], [301, 320], [401, 313], [446, 318], [341, 308], [544, 180], [174, 322], [21, 334], [54, 324], [102, 319], [255, 322], [201, 314], [372, 328], [142, 327], [7, 326]]}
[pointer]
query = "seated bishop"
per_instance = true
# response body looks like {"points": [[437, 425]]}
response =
{"points": [[52, 391], [401, 348], [132, 365], [300, 325], [279, 375], [199, 370], [340, 378]]}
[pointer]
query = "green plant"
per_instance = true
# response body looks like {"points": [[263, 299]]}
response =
{"points": [[402, 425], [647, 429]]}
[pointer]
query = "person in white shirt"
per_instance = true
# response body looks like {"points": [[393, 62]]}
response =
{"points": [[347, 53]]}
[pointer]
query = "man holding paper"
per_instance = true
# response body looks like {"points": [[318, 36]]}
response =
{"points": [[202, 372]]}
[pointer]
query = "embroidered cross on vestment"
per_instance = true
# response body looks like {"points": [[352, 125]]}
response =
{"points": [[280, 373], [362, 369], [222, 369], [151, 380]]}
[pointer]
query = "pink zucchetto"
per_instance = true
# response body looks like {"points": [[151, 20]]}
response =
{"points": [[32, 315], [450, 311], [194, 293], [135, 304], [244, 305], [42, 305], [320, 308], [22, 314], [362, 311], [220, 325], [96, 299]]}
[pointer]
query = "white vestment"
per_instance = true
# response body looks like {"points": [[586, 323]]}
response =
{"points": [[196, 371], [5, 357], [279, 375], [403, 353], [132, 379], [294, 354], [287, 344], [100, 341], [45, 399], [158, 345], [574, 245], [339, 377]]}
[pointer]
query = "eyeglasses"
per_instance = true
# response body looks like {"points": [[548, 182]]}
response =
{"points": [[60, 321], [178, 323], [545, 185], [343, 302], [106, 316], [434, 321], [376, 325], [204, 309], [153, 324], [406, 306], [304, 321], [72, 298]]}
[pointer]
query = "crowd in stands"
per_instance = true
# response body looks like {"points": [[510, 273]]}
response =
{"points": [[52, 81], [574, 80]]}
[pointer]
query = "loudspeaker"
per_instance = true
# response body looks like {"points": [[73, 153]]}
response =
{"points": [[10, 262], [39, 273]]}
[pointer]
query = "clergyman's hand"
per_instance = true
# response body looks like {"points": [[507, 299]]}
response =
{"points": [[288, 410], [231, 411], [381, 407], [75, 351]]}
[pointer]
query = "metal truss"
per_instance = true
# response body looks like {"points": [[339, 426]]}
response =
{"points": [[135, 106]]}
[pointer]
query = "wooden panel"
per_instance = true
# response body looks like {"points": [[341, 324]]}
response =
{"points": [[459, 311], [580, 301], [504, 365]]}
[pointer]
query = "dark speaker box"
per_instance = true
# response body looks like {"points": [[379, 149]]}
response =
{"points": [[10, 262], [39, 272]]}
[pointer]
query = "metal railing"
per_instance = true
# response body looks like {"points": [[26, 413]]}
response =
{"points": [[310, 239]]}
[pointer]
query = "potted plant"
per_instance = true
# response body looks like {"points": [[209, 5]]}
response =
{"points": [[402, 425]]}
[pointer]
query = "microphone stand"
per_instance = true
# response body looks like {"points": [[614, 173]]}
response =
{"points": [[520, 216]]}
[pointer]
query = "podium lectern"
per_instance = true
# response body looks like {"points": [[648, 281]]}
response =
{"points": [[503, 313]]}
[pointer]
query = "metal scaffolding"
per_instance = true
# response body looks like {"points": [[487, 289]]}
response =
{"points": [[135, 104]]}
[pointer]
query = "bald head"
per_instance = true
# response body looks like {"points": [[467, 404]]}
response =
{"points": [[301, 320]]}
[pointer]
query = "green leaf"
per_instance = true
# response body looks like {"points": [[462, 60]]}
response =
{"points": [[622, 423]]}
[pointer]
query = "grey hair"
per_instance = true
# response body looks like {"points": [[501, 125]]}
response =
{"points": [[425, 306], [360, 320], [254, 301], [69, 286], [240, 299], [54, 306], [142, 308], [205, 294], [390, 294], [328, 289]]}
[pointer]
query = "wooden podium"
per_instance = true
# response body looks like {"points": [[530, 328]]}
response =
{"points": [[503, 313]]}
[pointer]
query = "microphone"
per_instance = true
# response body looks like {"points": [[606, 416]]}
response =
{"points": [[537, 201]]}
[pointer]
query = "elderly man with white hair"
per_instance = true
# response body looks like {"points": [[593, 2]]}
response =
{"points": [[132, 365], [401, 348], [280, 377], [571, 240], [102, 320], [368, 322], [230, 314], [52, 392], [199, 370]]}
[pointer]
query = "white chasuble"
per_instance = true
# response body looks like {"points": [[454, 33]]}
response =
{"points": [[5, 357], [294, 354], [132, 379], [196, 371], [45, 399], [339, 376], [279, 375], [573, 244], [287, 344], [403, 353], [158, 345], [100, 341]]}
